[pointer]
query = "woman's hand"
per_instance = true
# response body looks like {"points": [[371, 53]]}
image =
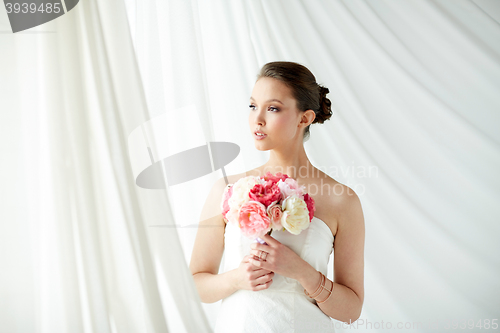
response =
{"points": [[280, 259], [250, 277]]}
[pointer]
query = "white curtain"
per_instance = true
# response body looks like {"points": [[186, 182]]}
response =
{"points": [[414, 86], [77, 251]]}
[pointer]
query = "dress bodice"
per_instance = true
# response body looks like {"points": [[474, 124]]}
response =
{"points": [[283, 307], [314, 245]]}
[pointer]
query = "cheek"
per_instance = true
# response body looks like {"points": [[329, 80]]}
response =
{"points": [[285, 126]]}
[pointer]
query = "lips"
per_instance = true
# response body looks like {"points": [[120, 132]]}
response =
{"points": [[257, 136]]}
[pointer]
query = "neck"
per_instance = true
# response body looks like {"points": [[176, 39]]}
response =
{"points": [[292, 162]]}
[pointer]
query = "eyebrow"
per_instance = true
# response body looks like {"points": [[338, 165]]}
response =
{"points": [[271, 100]]}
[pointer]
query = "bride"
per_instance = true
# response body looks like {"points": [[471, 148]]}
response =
{"points": [[281, 286]]}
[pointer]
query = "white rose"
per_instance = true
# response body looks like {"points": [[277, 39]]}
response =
{"points": [[295, 216]]}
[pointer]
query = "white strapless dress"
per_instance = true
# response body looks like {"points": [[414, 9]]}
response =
{"points": [[283, 307]]}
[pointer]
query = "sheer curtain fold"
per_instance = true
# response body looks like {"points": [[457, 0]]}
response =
{"points": [[92, 254]]}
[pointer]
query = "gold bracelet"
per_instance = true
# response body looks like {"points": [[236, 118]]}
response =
{"points": [[321, 284], [330, 293]]}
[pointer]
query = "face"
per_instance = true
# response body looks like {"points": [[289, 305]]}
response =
{"points": [[273, 111]]}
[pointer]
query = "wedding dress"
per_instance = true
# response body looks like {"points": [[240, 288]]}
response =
{"points": [[283, 307]]}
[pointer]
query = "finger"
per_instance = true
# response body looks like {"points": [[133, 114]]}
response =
{"points": [[258, 263], [267, 274], [264, 278], [259, 269], [270, 240], [264, 285], [255, 253]]}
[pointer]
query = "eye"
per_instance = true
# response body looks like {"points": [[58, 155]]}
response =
{"points": [[271, 108]]}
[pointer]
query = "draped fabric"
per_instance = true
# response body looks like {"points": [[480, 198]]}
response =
{"points": [[78, 254], [414, 87]]}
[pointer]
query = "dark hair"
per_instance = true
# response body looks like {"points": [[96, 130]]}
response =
{"points": [[306, 91]]}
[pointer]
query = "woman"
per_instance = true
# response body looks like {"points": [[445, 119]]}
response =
{"points": [[282, 286]]}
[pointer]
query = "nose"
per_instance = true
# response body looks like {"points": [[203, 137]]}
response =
{"points": [[259, 118]]}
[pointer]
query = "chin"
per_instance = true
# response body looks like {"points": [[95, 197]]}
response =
{"points": [[261, 147]]}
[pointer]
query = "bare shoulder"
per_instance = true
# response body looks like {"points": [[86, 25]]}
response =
{"points": [[348, 211], [351, 212], [333, 200], [341, 196]]}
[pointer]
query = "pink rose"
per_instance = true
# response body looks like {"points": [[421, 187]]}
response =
{"points": [[228, 191], [310, 205], [265, 194], [253, 219], [275, 213]]}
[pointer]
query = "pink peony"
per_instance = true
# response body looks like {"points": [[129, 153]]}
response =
{"points": [[290, 187], [253, 219], [265, 194], [310, 205], [275, 213]]}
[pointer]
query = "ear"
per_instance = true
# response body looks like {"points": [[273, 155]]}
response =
{"points": [[307, 118]]}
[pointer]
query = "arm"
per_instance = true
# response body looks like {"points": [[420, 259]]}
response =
{"points": [[347, 297], [208, 250], [214, 287]]}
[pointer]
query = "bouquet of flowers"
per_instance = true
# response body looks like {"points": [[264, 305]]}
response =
{"points": [[259, 205]]}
